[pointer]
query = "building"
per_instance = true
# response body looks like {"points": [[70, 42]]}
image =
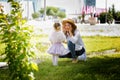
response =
{"points": [[90, 2]]}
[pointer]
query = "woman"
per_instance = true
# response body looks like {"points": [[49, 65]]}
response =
{"points": [[74, 41]]}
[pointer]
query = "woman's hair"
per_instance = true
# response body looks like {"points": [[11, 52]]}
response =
{"points": [[56, 25], [74, 27], [71, 22]]}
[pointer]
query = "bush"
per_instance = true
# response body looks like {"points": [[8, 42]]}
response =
{"points": [[117, 19], [102, 17], [109, 18], [18, 48], [53, 11], [35, 15], [61, 14]]}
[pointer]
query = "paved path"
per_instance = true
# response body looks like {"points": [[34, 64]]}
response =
{"points": [[99, 29], [3, 64], [42, 27]]}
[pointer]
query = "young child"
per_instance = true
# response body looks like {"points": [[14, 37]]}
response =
{"points": [[56, 48]]}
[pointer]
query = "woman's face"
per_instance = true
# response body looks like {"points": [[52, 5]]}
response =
{"points": [[68, 27]]}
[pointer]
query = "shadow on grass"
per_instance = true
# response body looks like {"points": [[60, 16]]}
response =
{"points": [[95, 68], [4, 74], [105, 68]]}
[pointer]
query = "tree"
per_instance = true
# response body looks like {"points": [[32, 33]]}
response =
{"points": [[117, 17], [102, 17], [36, 15], [79, 17], [50, 12], [113, 11], [61, 14], [83, 17], [109, 18], [53, 11], [17, 39], [109, 10]]}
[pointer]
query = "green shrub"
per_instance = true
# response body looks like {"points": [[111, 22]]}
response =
{"points": [[53, 11], [17, 39], [35, 15], [109, 18], [61, 14], [102, 17], [117, 17]]}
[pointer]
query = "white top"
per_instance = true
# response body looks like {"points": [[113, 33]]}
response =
{"points": [[77, 40], [57, 36]]}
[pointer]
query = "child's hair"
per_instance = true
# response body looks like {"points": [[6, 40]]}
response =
{"points": [[56, 25]]}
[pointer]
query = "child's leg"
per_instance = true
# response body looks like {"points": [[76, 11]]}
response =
{"points": [[53, 59], [56, 59]]}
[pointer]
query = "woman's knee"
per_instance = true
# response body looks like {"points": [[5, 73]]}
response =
{"points": [[70, 43], [71, 46]]}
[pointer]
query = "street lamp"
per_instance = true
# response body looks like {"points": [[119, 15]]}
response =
{"points": [[27, 9], [44, 10], [106, 11]]}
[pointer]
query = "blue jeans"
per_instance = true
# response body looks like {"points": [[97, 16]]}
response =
{"points": [[71, 47]]}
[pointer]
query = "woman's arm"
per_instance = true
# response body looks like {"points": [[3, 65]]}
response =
{"points": [[74, 38]]}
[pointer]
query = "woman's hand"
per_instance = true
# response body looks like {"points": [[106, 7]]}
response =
{"points": [[70, 31]]}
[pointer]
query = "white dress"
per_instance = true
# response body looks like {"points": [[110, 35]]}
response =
{"points": [[57, 48]]}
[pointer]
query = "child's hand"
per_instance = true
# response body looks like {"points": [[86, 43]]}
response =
{"points": [[65, 42], [63, 29]]}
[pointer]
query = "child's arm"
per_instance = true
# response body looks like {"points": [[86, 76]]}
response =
{"points": [[65, 42]]}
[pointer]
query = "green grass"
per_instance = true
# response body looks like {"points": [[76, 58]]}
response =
{"points": [[97, 67], [103, 67], [92, 44], [96, 44], [4, 74]]}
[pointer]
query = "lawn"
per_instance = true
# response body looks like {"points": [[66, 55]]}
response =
{"points": [[96, 44], [92, 44], [102, 67], [97, 67]]}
